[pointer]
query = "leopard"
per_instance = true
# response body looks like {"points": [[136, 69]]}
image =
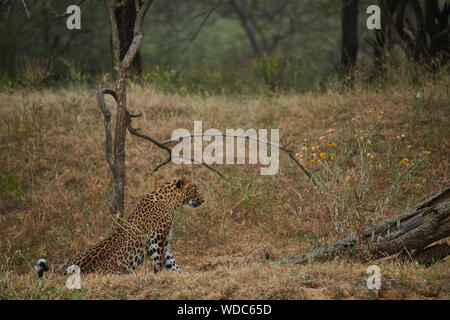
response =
{"points": [[145, 233]]}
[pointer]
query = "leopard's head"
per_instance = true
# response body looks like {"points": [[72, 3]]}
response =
{"points": [[190, 193]]}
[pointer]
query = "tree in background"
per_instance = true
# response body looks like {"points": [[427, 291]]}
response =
{"points": [[267, 23], [33, 39], [125, 12], [349, 48], [419, 28]]}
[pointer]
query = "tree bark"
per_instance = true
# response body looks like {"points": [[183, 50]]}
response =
{"points": [[125, 13], [349, 49], [411, 231], [119, 144], [116, 155]]}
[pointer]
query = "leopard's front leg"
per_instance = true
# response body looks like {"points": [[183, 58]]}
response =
{"points": [[155, 251], [169, 261], [158, 260]]}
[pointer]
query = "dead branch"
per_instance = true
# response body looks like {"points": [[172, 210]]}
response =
{"points": [[107, 120], [161, 145], [283, 148], [13, 2], [411, 231]]}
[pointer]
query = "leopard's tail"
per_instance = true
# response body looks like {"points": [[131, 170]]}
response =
{"points": [[40, 267]]}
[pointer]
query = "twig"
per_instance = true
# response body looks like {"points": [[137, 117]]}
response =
{"points": [[206, 13], [283, 148], [66, 14], [26, 9]]}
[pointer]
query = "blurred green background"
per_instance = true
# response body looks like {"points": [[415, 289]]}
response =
{"points": [[198, 45]]}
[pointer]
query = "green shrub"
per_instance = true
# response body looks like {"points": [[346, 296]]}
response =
{"points": [[9, 186]]}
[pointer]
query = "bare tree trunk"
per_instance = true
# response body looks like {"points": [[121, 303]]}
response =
{"points": [[349, 49], [119, 144], [116, 156], [411, 232]]}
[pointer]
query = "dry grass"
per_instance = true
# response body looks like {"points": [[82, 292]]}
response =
{"points": [[55, 204]]}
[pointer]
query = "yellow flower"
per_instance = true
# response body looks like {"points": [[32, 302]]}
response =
{"points": [[313, 160], [323, 155], [405, 160], [330, 145], [332, 156]]}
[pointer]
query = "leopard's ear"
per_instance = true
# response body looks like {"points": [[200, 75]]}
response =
{"points": [[182, 182]]}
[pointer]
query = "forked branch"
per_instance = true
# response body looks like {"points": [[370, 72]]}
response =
{"points": [[289, 152], [161, 145]]}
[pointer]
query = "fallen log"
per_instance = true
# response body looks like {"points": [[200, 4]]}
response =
{"points": [[411, 232]]}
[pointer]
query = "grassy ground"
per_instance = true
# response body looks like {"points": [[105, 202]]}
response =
{"points": [[371, 149]]}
